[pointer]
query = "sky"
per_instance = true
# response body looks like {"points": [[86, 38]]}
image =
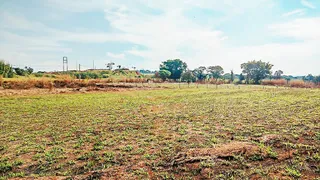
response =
{"points": [[144, 33]]}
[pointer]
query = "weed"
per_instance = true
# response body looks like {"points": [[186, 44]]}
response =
{"points": [[293, 172], [127, 148]]}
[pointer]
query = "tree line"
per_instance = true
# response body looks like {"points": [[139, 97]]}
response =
{"points": [[253, 72], [7, 71]]}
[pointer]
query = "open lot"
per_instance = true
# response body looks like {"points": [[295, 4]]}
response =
{"points": [[190, 133]]}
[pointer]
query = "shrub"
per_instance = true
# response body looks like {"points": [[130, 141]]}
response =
{"points": [[6, 70], [105, 76], [20, 72], [164, 74], [38, 74], [157, 80], [215, 81], [274, 82], [301, 84]]}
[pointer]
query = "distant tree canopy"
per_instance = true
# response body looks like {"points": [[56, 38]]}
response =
{"points": [[278, 74], [215, 71], [5, 70], [176, 67], [241, 77], [23, 72], [317, 79], [188, 76], [164, 74], [309, 77], [256, 70], [200, 73]]}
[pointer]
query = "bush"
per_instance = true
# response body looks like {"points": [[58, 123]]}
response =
{"points": [[87, 75], [301, 84], [215, 81], [164, 74], [6, 70], [105, 76], [38, 74], [274, 82]]}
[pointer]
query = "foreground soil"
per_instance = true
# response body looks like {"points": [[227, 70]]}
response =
{"points": [[194, 133], [105, 88]]}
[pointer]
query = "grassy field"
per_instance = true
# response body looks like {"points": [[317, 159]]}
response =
{"points": [[189, 133]]}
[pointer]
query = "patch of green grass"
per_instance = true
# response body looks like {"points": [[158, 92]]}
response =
{"points": [[293, 172]]}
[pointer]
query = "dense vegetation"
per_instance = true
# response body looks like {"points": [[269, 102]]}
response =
{"points": [[6, 70]]}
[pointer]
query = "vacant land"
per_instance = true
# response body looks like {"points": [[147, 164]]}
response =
{"points": [[190, 133]]}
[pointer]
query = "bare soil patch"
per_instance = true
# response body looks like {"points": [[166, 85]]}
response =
{"points": [[98, 88]]}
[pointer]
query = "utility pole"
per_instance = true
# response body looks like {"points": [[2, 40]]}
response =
{"points": [[79, 67]]}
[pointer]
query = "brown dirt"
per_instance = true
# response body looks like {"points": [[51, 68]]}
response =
{"points": [[221, 151], [39, 91], [226, 150]]}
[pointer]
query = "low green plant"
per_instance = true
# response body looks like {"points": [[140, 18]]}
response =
{"points": [[293, 172]]}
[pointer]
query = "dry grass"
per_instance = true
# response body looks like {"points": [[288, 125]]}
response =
{"points": [[274, 82], [292, 83], [302, 84]]}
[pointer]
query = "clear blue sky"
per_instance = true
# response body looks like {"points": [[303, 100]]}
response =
{"points": [[143, 33]]}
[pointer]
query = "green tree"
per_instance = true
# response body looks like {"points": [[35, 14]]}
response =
{"points": [[176, 67], [232, 76], [226, 76], [188, 77], [316, 79], [241, 77], [215, 71], [310, 77], [6, 70], [29, 70], [256, 70], [164, 74], [20, 72], [278, 74], [200, 73]]}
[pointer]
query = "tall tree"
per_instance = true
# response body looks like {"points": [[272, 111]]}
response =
{"points": [[256, 70], [310, 77], [176, 67], [28, 70], [215, 71], [278, 74], [200, 73], [188, 77], [110, 65], [232, 76]]}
